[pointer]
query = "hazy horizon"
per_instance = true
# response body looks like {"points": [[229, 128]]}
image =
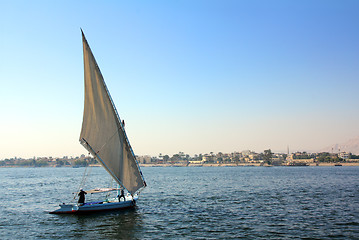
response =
{"points": [[195, 77]]}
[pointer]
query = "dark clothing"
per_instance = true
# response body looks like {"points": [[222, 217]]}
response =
{"points": [[122, 195], [82, 196]]}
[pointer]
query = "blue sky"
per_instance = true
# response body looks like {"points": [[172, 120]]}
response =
{"points": [[191, 76]]}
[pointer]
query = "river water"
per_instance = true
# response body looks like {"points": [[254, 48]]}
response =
{"points": [[188, 203]]}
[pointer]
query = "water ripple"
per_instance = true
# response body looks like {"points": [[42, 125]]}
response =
{"points": [[190, 203]]}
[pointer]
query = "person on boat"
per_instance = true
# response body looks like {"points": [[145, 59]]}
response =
{"points": [[81, 197], [122, 195]]}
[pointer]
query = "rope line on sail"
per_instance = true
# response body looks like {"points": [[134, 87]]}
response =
{"points": [[107, 141]]}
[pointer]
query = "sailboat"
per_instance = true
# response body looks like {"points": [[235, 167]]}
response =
{"points": [[104, 136]]}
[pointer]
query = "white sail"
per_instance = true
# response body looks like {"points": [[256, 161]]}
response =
{"points": [[102, 133]]}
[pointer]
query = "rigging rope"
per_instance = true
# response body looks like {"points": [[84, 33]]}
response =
{"points": [[83, 180], [111, 186]]}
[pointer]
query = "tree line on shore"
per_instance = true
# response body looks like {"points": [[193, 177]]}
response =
{"points": [[48, 162], [267, 157]]}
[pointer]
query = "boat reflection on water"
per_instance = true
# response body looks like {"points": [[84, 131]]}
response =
{"points": [[122, 224]]}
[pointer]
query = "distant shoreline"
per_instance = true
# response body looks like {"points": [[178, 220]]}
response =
{"points": [[242, 165], [207, 165]]}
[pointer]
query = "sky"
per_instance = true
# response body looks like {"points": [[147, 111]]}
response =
{"points": [[190, 76]]}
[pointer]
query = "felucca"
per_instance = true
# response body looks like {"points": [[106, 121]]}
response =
{"points": [[104, 136]]}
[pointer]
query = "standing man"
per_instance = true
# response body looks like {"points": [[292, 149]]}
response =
{"points": [[81, 197], [122, 195]]}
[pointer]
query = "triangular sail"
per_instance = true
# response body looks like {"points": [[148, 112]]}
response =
{"points": [[102, 133]]}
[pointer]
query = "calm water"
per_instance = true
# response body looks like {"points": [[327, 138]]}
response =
{"points": [[189, 203]]}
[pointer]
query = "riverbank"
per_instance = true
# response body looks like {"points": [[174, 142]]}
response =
{"points": [[209, 165], [242, 165]]}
